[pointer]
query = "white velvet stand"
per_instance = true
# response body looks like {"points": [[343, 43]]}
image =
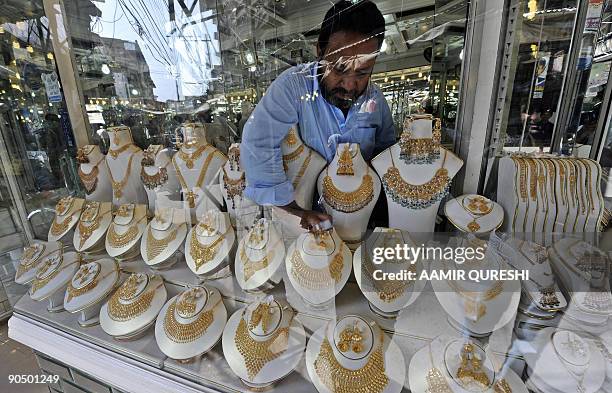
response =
{"points": [[421, 364], [282, 317], [71, 213], [31, 258], [387, 309], [136, 216], [135, 327], [414, 220], [162, 162], [167, 220], [351, 227], [232, 170], [548, 370], [63, 265], [319, 259], [307, 172], [271, 248], [394, 362], [455, 211], [103, 190], [208, 299], [132, 191], [92, 211], [106, 273], [222, 254]]}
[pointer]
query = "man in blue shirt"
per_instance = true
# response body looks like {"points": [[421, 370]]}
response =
{"points": [[331, 100]]}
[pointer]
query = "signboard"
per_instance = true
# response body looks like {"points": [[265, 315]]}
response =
{"points": [[541, 72], [593, 17], [121, 85], [52, 86]]}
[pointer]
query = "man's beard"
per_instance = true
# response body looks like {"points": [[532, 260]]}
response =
{"points": [[332, 96]]}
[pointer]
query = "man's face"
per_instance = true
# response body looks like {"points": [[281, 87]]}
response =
{"points": [[347, 67]]}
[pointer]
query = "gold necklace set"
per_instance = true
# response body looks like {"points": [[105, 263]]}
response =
{"points": [[257, 354], [476, 208], [41, 282], [420, 150], [114, 153], [90, 180], [182, 333], [371, 378], [90, 213], [155, 246], [416, 196], [548, 294], [188, 159], [250, 266], [387, 290], [204, 253], [151, 182], [29, 259], [81, 275], [317, 278], [474, 301], [120, 311], [119, 185], [117, 240], [234, 187], [294, 155], [351, 201]]}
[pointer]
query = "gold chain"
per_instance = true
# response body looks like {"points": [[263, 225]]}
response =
{"points": [[59, 228], [257, 354], [117, 240], [348, 202], [115, 153], [90, 180], [120, 312], [203, 254], [316, 278], [187, 332], [156, 246], [287, 158], [118, 185], [371, 378], [190, 195], [189, 158], [302, 170], [250, 266]]}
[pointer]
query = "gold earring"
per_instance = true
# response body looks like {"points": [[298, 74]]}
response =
{"points": [[345, 339], [345, 163], [187, 304], [261, 315]]}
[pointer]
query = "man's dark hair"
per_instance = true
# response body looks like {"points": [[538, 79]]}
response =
{"points": [[362, 17]]}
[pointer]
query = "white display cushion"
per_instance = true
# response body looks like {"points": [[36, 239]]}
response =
{"points": [[275, 369], [105, 272], [210, 302], [59, 267], [420, 365], [272, 248], [548, 372], [171, 247], [99, 233], [30, 260], [219, 260], [130, 327], [394, 362], [461, 219]]}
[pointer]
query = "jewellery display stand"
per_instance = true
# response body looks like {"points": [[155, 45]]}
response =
{"points": [[89, 287], [409, 177], [259, 257], [233, 182], [191, 323], [318, 267], [349, 199], [52, 278], [134, 306], [94, 174], [67, 212], [474, 214], [562, 361], [378, 368], [124, 162], [164, 237], [386, 297], [302, 166], [31, 258], [263, 344], [429, 372], [93, 224], [158, 175], [209, 244], [478, 307], [124, 233]]}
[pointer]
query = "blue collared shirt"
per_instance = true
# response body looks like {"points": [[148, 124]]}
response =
{"points": [[294, 98]]}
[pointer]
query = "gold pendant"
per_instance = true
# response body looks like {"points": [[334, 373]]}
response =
{"points": [[473, 226], [190, 196], [257, 354], [345, 163]]}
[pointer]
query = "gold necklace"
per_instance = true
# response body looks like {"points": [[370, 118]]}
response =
{"points": [[151, 182], [416, 196], [348, 202], [73, 292], [189, 158], [117, 240], [121, 312], [190, 195], [387, 290], [302, 170], [156, 246], [59, 228], [250, 266], [371, 378], [287, 158], [257, 354], [118, 185], [203, 254], [85, 232], [316, 278], [474, 305], [115, 153], [182, 333], [90, 180], [30, 258], [41, 282], [234, 187], [436, 383]]}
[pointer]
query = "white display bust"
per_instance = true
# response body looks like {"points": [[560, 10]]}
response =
{"points": [[232, 180], [163, 237], [94, 174], [351, 223], [158, 175], [126, 230], [209, 243], [124, 162], [474, 214], [302, 167], [67, 212], [94, 221]]}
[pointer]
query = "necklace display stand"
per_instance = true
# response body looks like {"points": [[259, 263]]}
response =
{"points": [[474, 214], [93, 224], [160, 244], [88, 289], [158, 175], [67, 213], [233, 182], [52, 278], [386, 297], [94, 174], [124, 233], [31, 258], [349, 199], [378, 366], [263, 343], [124, 162]]}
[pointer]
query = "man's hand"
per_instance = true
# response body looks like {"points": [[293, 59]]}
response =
{"points": [[309, 218]]}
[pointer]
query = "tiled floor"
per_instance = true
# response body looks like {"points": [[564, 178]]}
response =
{"points": [[16, 359]]}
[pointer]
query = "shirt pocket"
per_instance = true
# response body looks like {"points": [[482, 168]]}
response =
{"points": [[366, 137]]}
